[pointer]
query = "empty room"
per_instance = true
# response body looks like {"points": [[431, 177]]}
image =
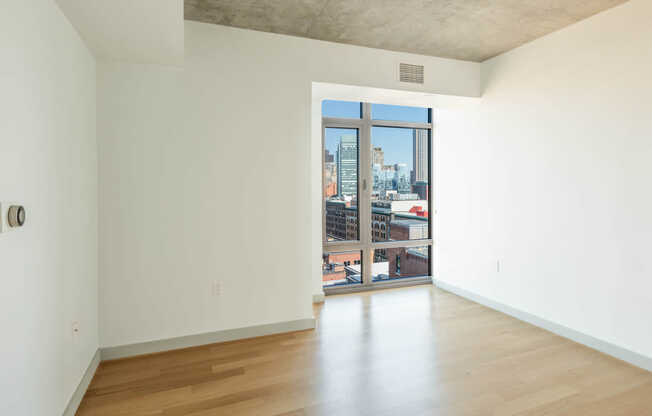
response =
{"points": [[326, 208]]}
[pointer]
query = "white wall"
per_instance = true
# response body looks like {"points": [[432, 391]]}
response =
{"points": [[205, 176], [550, 174], [48, 162], [143, 31]]}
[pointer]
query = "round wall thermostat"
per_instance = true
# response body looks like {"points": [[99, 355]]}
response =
{"points": [[16, 216]]}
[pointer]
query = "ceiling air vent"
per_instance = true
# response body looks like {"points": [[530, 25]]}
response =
{"points": [[411, 73]]}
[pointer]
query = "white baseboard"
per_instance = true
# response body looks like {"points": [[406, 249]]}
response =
{"points": [[122, 351], [78, 395], [613, 350]]}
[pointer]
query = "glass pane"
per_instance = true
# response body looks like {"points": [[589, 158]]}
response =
{"points": [[401, 177], [399, 263], [341, 109], [339, 269], [399, 113], [341, 158]]}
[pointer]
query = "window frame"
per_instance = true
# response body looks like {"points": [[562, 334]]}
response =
{"points": [[364, 244]]}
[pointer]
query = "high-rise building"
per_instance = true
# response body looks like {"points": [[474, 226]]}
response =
{"points": [[328, 157], [347, 165], [378, 157], [377, 163], [387, 177], [394, 178], [330, 179], [421, 188], [378, 177], [419, 155], [402, 179]]}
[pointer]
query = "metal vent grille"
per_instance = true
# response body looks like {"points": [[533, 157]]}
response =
{"points": [[411, 73]]}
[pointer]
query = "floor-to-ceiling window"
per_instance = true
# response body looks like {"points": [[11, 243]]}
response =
{"points": [[376, 195]]}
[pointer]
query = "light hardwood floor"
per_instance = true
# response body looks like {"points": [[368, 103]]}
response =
{"points": [[403, 352]]}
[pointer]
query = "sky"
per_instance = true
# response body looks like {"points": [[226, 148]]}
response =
{"points": [[395, 142]]}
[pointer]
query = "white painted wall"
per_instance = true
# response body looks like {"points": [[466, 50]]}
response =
{"points": [[205, 176], [550, 174], [546, 173], [48, 162], [142, 31]]}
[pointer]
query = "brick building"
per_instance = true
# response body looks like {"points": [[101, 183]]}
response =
{"points": [[408, 262], [337, 267]]}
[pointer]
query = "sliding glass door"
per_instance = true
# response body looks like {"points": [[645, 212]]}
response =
{"points": [[377, 205]]}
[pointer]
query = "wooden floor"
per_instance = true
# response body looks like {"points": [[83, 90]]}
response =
{"points": [[401, 352]]}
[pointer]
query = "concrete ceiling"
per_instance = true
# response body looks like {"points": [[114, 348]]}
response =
{"points": [[472, 30], [142, 31]]}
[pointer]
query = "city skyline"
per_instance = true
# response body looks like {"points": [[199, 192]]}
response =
{"points": [[399, 204], [396, 143], [341, 165]]}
